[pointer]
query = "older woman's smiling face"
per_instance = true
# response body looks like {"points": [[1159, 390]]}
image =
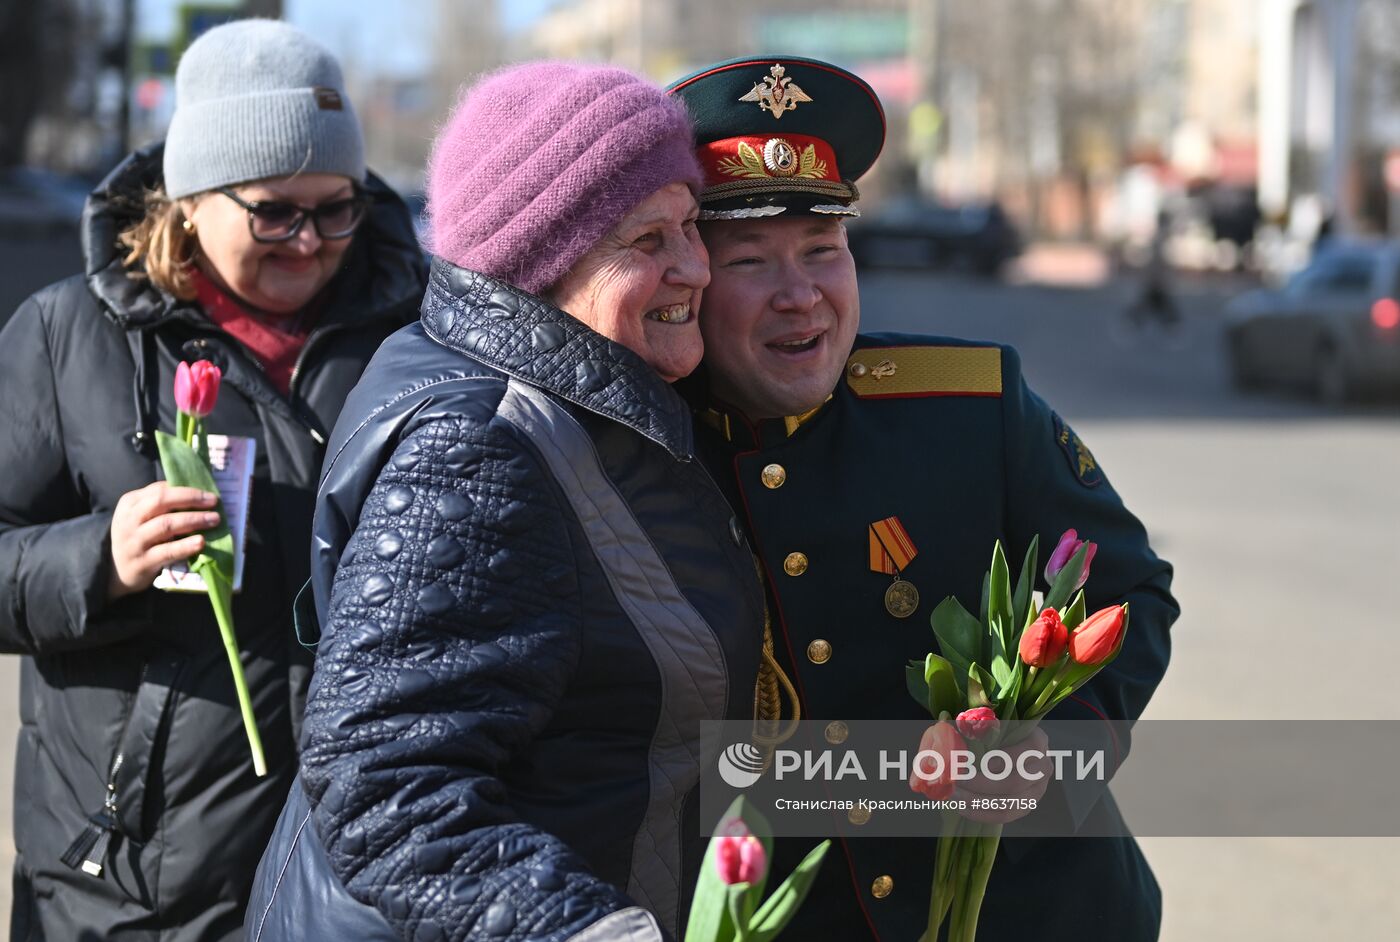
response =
{"points": [[640, 285]]}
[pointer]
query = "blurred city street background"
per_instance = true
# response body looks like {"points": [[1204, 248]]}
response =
{"points": [[1049, 162]]}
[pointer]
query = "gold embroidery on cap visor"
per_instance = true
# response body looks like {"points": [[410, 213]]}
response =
{"points": [[754, 166], [779, 157], [775, 94]]}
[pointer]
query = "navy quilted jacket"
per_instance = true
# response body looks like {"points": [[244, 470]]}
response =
{"points": [[531, 595]]}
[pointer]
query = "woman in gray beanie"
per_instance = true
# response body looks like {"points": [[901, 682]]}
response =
{"points": [[254, 238]]}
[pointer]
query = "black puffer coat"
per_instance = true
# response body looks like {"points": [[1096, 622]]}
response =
{"points": [[88, 363], [533, 595]]}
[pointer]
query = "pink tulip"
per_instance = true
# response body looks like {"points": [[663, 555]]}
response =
{"points": [[978, 723], [928, 779], [1044, 641], [740, 859], [197, 387], [1095, 641], [1064, 551]]}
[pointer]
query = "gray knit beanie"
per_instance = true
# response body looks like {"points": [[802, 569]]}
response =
{"points": [[257, 99]]}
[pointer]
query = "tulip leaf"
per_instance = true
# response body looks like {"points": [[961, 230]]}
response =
{"points": [[915, 683], [1075, 676], [940, 682], [1025, 585], [1000, 616], [1073, 616], [779, 908], [1067, 581], [1003, 674], [986, 597], [959, 637], [978, 685], [184, 468]]}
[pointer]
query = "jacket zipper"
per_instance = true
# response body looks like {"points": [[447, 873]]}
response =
{"points": [[88, 852], [205, 344], [315, 337]]}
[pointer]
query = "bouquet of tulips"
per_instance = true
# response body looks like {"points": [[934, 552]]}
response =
{"points": [[726, 906], [184, 457], [996, 677]]}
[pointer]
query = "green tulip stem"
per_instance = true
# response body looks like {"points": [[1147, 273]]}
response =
{"points": [[972, 878], [1054, 684], [221, 599]]}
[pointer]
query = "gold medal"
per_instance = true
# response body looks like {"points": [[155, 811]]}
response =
{"points": [[901, 598], [891, 551]]}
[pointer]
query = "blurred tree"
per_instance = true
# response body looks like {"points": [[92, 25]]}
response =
{"points": [[39, 44], [19, 61], [272, 9]]}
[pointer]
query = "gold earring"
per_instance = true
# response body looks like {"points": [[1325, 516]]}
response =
{"points": [[188, 225]]}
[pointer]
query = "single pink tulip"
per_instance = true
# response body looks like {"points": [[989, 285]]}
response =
{"points": [[740, 859], [197, 387], [978, 723], [1095, 641], [942, 737], [1044, 641], [1064, 551]]}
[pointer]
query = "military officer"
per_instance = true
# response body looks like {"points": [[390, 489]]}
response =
{"points": [[874, 472]]}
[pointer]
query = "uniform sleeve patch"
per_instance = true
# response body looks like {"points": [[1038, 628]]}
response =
{"points": [[1081, 461]]}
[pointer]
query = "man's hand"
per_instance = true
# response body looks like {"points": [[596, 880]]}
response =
{"points": [[151, 529], [986, 797]]}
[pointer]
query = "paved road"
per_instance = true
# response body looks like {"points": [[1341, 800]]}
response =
{"points": [[1281, 518]]}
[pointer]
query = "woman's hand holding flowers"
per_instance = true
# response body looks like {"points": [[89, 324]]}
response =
{"points": [[154, 527]]}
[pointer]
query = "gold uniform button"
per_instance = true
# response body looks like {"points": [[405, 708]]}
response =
{"points": [[859, 369], [819, 651], [882, 887], [836, 732], [774, 476], [858, 815], [795, 564]]}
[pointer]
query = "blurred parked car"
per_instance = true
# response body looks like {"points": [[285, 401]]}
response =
{"points": [[1334, 328], [36, 202], [918, 233]]}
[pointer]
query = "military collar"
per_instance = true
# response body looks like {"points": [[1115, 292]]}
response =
{"points": [[526, 338], [738, 430]]}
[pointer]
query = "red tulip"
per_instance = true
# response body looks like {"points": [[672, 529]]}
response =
{"points": [[1044, 641], [1095, 641], [740, 859], [197, 387], [978, 723], [928, 778], [1064, 551]]}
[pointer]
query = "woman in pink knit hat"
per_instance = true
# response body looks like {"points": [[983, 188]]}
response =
{"points": [[529, 592]]}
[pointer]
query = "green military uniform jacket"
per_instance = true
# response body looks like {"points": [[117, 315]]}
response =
{"points": [[944, 435]]}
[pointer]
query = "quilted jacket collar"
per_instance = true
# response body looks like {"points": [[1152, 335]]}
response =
{"points": [[535, 342]]}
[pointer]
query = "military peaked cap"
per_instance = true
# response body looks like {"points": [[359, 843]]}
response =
{"points": [[781, 134]]}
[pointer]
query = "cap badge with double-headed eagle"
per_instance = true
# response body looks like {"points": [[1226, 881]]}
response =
{"points": [[775, 94]]}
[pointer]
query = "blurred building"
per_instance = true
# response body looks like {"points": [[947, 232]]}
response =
{"points": [[1330, 113]]}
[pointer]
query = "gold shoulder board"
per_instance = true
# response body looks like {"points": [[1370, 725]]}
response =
{"points": [[911, 372]]}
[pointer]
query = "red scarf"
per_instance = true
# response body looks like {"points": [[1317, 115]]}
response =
{"points": [[275, 342]]}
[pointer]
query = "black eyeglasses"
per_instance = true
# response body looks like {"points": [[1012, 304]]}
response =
{"points": [[278, 221]]}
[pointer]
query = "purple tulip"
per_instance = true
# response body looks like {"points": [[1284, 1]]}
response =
{"points": [[1064, 551]]}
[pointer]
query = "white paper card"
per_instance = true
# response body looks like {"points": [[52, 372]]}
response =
{"points": [[231, 460]]}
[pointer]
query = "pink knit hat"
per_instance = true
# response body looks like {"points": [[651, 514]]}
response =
{"points": [[539, 161]]}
